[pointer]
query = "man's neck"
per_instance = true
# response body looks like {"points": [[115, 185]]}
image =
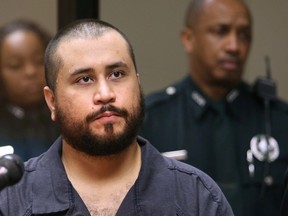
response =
{"points": [[102, 182], [92, 168], [213, 91]]}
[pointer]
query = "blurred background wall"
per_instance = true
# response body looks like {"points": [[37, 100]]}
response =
{"points": [[153, 28], [42, 11]]}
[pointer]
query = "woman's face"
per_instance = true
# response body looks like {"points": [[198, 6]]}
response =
{"points": [[22, 69]]}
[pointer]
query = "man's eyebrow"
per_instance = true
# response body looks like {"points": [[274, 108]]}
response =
{"points": [[81, 70], [116, 65]]}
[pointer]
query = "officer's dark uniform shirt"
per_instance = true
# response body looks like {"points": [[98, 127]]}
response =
{"points": [[217, 137], [29, 133], [284, 203], [164, 187]]}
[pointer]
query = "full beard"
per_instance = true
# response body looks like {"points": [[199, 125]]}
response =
{"points": [[80, 136]]}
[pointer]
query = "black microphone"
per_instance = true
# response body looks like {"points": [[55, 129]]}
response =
{"points": [[11, 170]]}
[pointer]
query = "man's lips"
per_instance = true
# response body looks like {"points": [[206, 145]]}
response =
{"points": [[230, 64], [107, 117], [106, 114]]}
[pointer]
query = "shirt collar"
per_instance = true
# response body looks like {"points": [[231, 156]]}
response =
{"points": [[201, 102]]}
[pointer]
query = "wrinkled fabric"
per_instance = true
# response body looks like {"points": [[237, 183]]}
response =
{"points": [[164, 187]]}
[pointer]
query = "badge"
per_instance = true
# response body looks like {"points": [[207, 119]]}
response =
{"points": [[264, 148]]}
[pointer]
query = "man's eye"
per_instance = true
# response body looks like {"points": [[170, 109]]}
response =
{"points": [[220, 30], [85, 80], [116, 74], [245, 35]]}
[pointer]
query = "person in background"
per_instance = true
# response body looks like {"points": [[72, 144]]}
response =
{"points": [[99, 166], [218, 119], [25, 121]]}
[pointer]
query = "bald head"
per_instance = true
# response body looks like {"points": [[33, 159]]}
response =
{"points": [[195, 9]]}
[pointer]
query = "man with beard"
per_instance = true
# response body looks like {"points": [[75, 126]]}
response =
{"points": [[99, 166], [214, 116]]}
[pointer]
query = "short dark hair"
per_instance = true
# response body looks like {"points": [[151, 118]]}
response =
{"points": [[84, 28]]}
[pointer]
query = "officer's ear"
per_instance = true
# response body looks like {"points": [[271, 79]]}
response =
{"points": [[187, 38]]}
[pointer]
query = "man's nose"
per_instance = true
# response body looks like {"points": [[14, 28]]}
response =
{"points": [[232, 43], [104, 93]]}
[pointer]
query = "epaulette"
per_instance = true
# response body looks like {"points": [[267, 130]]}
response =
{"points": [[161, 96]]}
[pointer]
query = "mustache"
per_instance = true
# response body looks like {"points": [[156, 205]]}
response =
{"points": [[231, 57], [111, 108]]}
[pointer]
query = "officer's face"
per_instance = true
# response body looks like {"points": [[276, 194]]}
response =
{"points": [[220, 42], [97, 100], [22, 68]]}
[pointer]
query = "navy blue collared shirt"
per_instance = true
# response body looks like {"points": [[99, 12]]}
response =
{"points": [[164, 187]]}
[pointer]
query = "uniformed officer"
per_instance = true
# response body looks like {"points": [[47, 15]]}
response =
{"points": [[225, 128]]}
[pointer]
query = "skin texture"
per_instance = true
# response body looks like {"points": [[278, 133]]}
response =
{"points": [[22, 69], [217, 45]]}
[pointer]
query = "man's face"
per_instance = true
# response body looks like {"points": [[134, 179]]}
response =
{"points": [[22, 68], [220, 41], [98, 100]]}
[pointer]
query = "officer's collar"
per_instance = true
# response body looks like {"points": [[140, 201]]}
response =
{"points": [[201, 102]]}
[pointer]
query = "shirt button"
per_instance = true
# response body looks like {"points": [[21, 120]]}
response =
{"points": [[268, 180]]}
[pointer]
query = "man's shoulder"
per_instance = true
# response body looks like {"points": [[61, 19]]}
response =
{"points": [[168, 162], [276, 103], [190, 178], [166, 95], [184, 169], [281, 105], [30, 168], [183, 175], [44, 171], [34, 169], [17, 198]]}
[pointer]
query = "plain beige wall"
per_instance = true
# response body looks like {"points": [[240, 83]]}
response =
{"points": [[270, 38], [153, 28], [43, 12]]}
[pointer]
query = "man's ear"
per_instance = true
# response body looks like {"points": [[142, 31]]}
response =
{"points": [[187, 39], [138, 78], [50, 100]]}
